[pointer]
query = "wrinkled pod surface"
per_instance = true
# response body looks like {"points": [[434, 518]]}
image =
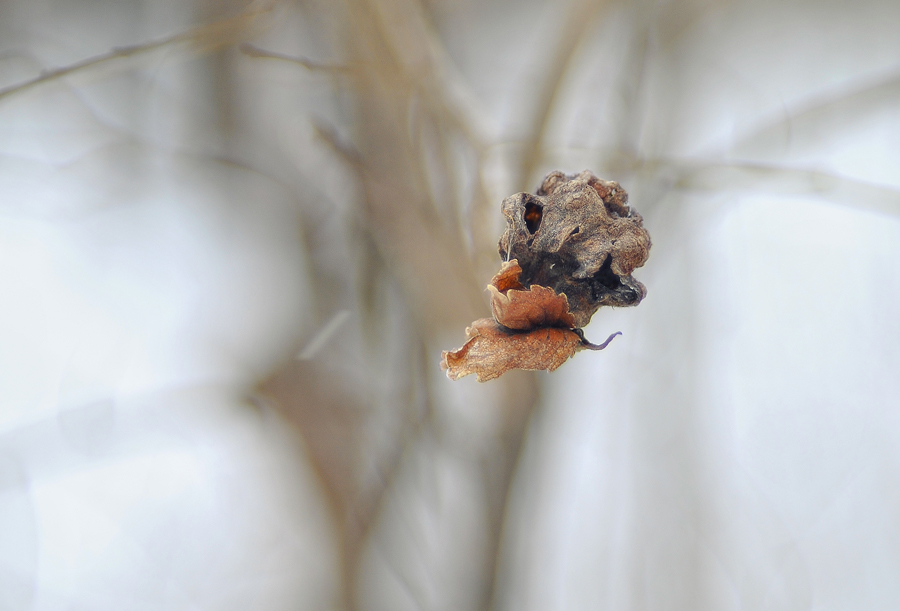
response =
{"points": [[577, 235]]}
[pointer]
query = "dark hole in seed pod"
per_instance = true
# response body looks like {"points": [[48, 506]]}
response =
{"points": [[533, 214], [606, 277]]}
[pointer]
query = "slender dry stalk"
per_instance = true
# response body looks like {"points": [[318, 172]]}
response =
{"points": [[202, 39], [581, 16]]}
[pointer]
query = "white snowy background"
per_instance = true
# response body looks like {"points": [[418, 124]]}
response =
{"points": [[174, 226]]}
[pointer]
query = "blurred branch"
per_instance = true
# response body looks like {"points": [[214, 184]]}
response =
{"points": [[721, 175], [828, 116], [328, 134], [580, 16], [255, 52], [755, 177], [411, 108], [207, 37], [750, 177]]}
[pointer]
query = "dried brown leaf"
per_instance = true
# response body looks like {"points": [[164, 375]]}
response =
{"points": [[508, 277], [525, 309], [492, 350]]}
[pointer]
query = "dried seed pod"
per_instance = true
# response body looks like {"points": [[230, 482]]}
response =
{"points": [[578, 236], [568, 249]]}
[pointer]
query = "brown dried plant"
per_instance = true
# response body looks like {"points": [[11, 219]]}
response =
{"points": [[579, 242]]}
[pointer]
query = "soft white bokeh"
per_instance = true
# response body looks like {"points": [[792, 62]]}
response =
{"points": [[734, 449]]}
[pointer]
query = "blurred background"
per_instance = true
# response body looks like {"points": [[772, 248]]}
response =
{"points": [[235, 237]]}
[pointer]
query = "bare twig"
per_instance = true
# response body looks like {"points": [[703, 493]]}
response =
{"points": [[839, 111], [211, 36], [749, 177], [580, 16], [254, 51]]}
